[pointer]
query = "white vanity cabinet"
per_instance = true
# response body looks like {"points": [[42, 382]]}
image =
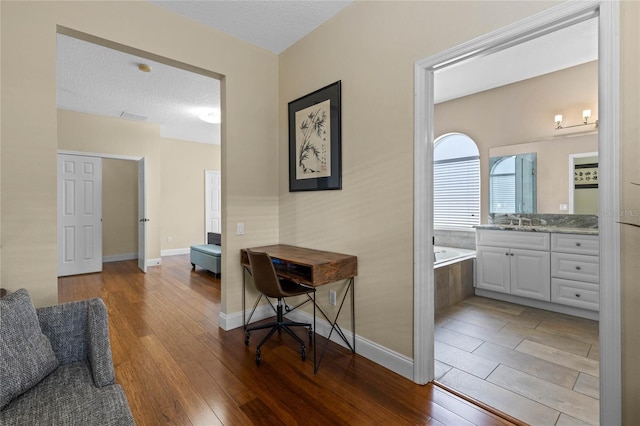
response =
{"points": [[513, 262], [575, 270]]}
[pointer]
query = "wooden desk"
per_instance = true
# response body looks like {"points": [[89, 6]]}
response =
{"points": [[314, 268]]}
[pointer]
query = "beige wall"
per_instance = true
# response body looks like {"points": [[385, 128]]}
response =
{"points": [[630, 209], [183, 197], [119, 207], [524, 112], [29, 146]]}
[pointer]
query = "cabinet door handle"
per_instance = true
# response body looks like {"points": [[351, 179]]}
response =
{"points": [[577, 294], [578, 244], [578, 267]]}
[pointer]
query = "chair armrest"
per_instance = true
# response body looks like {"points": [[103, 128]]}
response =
{"points": [[79, 331]]}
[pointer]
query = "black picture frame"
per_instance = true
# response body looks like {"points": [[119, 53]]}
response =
{"points": [[315, 146]]}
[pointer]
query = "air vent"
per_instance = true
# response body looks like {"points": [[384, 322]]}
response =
{"points": [[134, 117]]}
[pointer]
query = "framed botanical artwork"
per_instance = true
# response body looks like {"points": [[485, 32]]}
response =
{"points": [[315, 157]]}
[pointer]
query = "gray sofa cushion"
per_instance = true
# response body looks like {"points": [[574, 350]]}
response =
{"points": [[26, 356], [68, 397]]}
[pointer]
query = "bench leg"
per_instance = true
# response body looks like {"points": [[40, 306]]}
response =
{"points": [[193, 266]]}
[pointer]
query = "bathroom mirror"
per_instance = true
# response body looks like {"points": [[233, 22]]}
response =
{"points": [[553, 189], [512, 183]]}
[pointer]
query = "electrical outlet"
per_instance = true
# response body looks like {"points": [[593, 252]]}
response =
{"points": [[332, 297], [169, 239], [564, 207]]}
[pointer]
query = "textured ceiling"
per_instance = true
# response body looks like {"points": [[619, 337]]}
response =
{"points": [[272, 24], [98, 80], [102, 81]]}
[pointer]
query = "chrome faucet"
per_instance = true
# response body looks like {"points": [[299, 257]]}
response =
{"points": [[519, 219]]}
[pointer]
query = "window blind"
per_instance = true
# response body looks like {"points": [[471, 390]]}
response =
{"points": [[456, 193]]}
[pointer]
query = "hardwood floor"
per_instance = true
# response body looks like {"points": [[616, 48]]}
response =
{"points": [[539, 366], [178, 367]]}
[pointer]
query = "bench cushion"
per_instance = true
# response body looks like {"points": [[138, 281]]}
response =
{"points": [[210, 249], [207, 257]]}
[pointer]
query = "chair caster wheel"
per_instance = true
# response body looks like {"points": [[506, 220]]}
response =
{"points": [[258, 357], [246, 339], [303, 353]]}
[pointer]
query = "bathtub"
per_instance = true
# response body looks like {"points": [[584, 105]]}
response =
{"points": [[448, 255], [453, 276]]}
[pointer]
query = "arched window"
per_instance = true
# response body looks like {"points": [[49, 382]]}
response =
{"points": [[456, 182]]}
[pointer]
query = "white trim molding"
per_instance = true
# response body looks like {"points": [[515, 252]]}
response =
{"points": [[609, 201], [119, 257], [175, 252], [609, 142], [154, 262]]}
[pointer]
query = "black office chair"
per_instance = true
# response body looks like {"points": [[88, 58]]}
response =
{"points": [[269, 284]]}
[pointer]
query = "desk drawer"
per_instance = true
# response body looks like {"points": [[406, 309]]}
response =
{"points": [[576, 244], [575, 293], [575, 267]]}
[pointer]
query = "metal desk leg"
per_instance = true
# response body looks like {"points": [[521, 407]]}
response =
{"points": [[335, 326]]}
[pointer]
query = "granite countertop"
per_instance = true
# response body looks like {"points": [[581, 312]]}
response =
{"points": [[540, 228]]}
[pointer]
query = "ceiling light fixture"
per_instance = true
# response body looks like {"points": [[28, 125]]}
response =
{"points": [[144, 67], [586, 115], [210, 116]]}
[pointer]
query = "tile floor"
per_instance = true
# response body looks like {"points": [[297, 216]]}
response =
{"points": [[538, 366]]}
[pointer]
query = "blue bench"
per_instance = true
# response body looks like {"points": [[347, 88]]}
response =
{"points": [[207, 256]]}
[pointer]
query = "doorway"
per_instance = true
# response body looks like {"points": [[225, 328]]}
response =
{"points": [[79, 214], [554, 18], [135, 104], [142, 220]]}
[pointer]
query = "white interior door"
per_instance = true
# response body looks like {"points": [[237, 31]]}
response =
{"points": [[79, 214], [142, 217], [212, 202]]}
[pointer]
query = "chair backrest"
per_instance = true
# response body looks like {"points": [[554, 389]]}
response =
{"points": [[264, 274]]}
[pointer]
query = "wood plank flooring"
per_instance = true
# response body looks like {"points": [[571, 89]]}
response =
{"points": [[535, 365], [178, 367]]}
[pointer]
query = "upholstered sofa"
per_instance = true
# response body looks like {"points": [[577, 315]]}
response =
{"points": [[56, 365]]}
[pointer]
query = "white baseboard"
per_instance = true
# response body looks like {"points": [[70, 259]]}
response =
{"points": [[154, 262], [540, 304], [381, 355], [174, 252], [119, 257]]}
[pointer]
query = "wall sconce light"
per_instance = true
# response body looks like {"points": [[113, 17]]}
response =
{"points": [[586, 115]]}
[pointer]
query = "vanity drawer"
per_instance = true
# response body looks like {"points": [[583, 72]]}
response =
{"points": [[575, 267], [513, 239], [575, 293], [575, 243]]}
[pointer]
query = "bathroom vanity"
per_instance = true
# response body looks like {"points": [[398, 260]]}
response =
{"points": [[545, 267]]}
